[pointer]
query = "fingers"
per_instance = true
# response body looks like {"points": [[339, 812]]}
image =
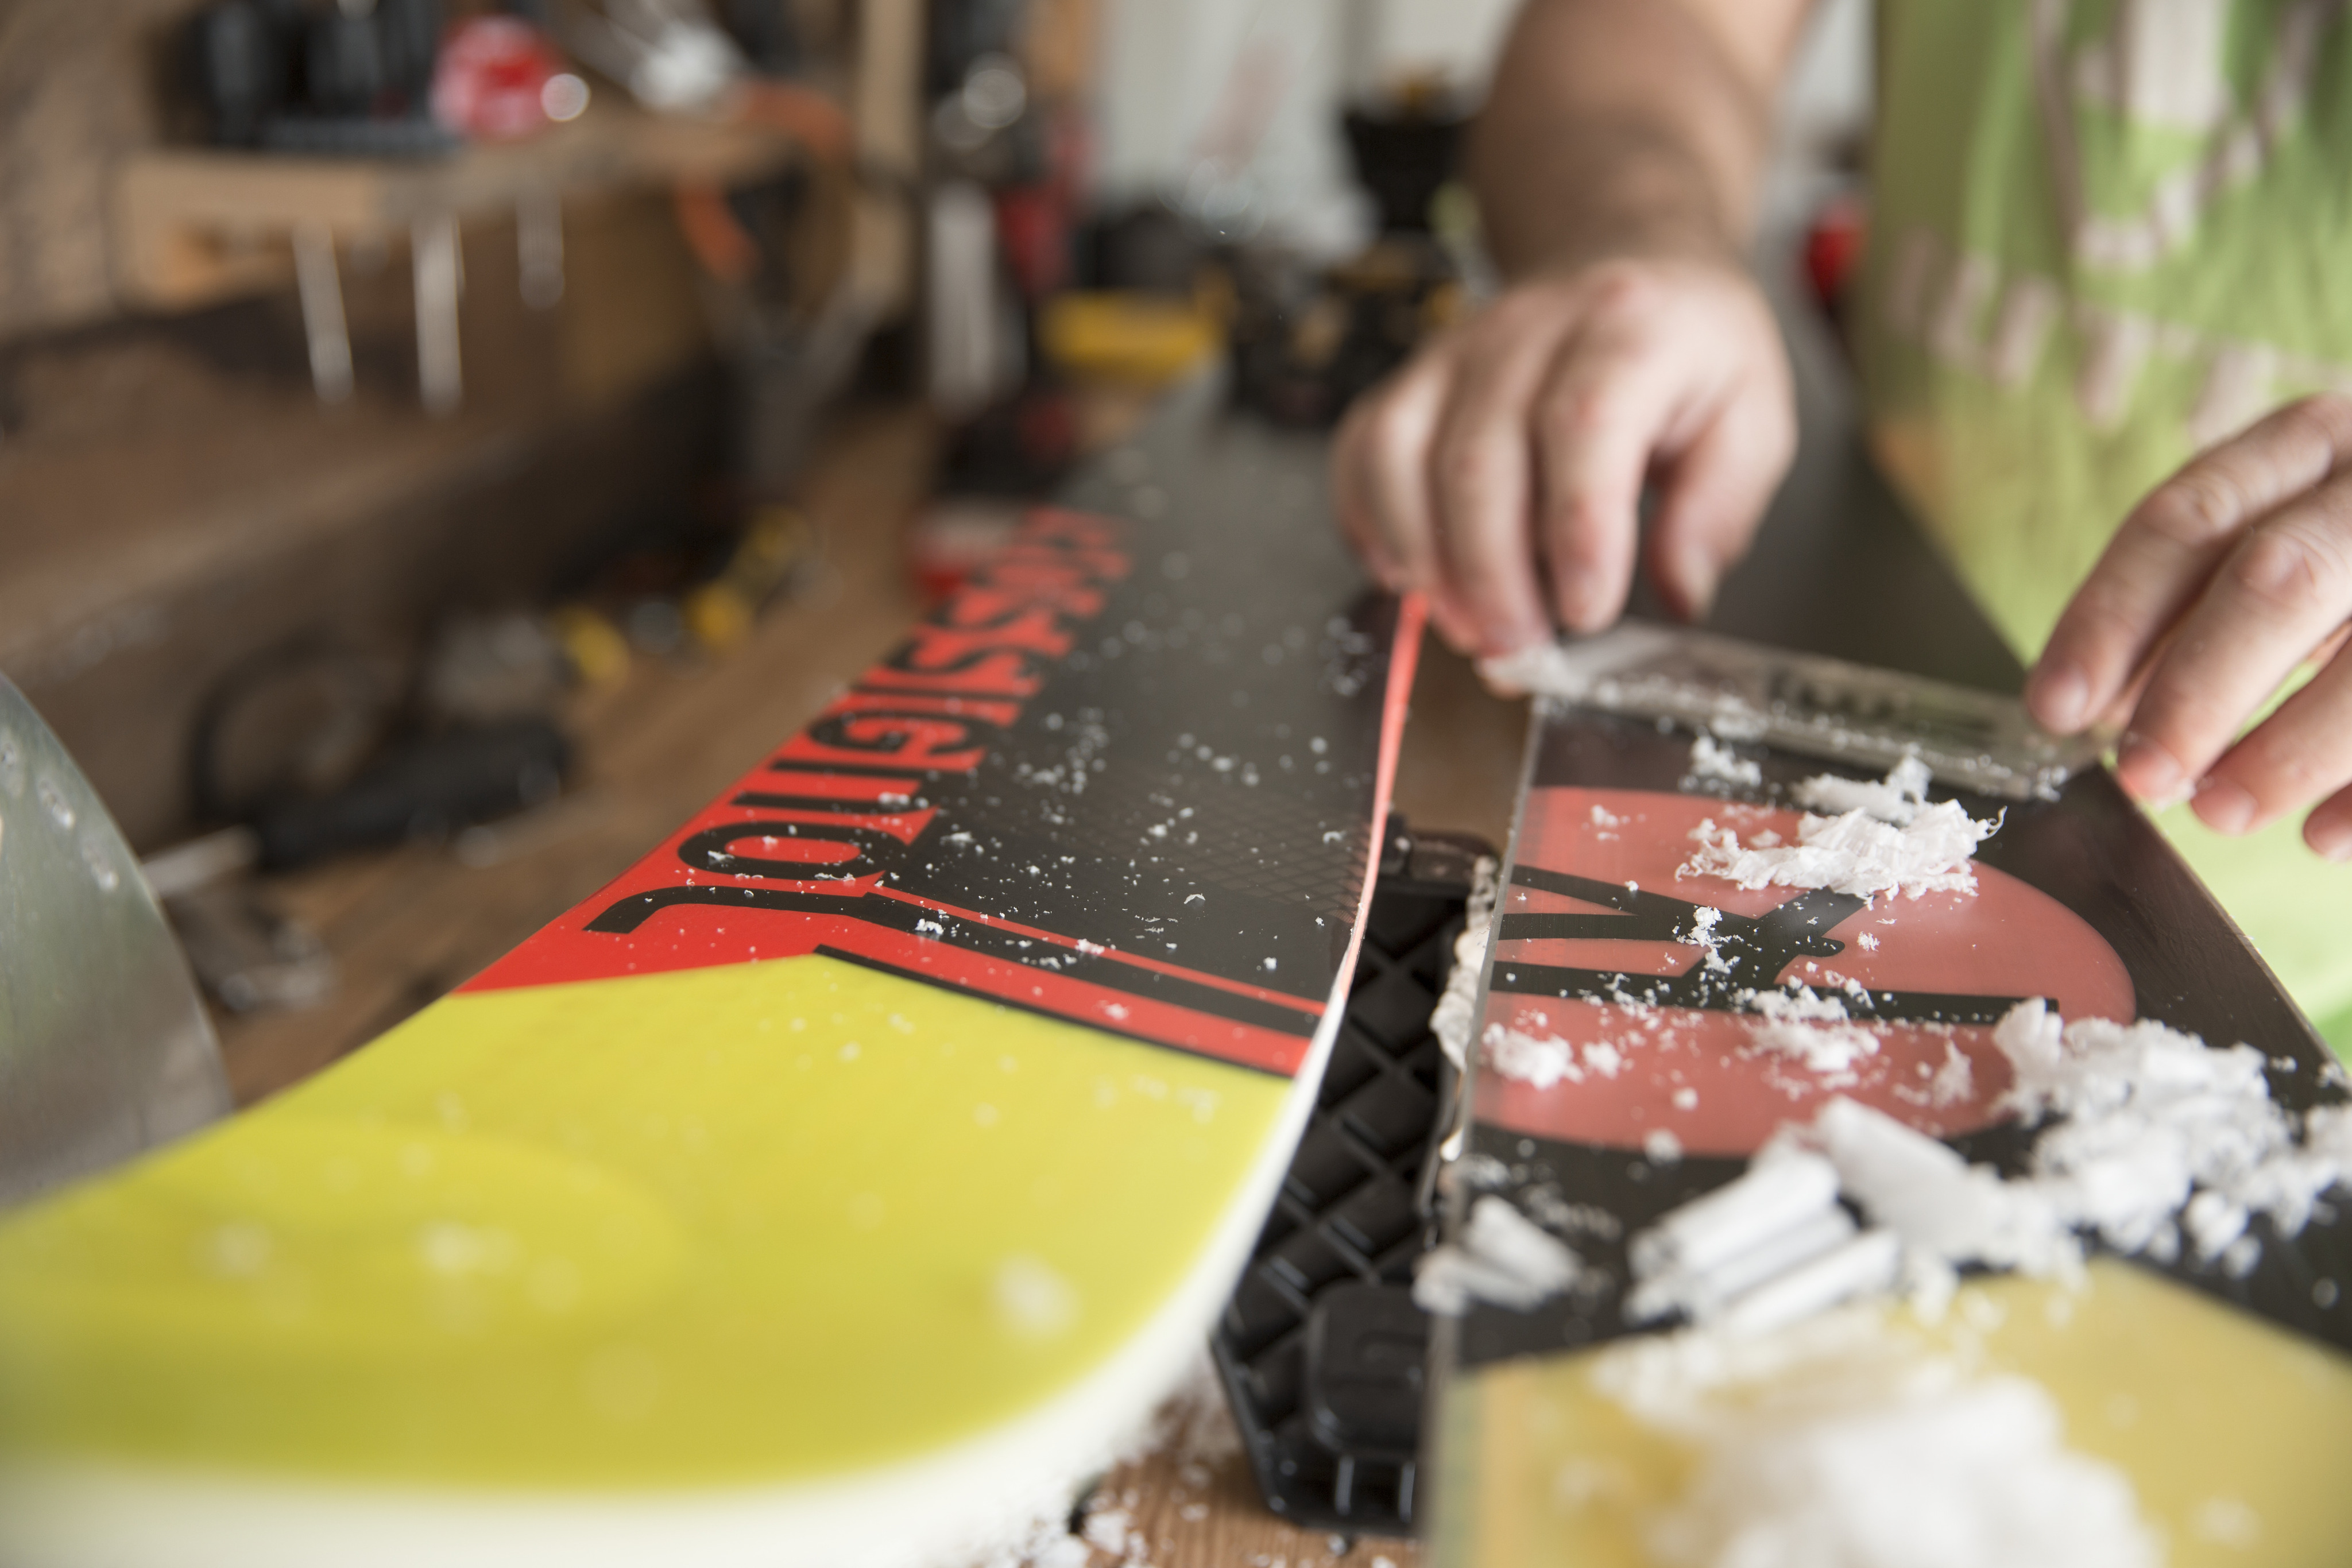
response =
{"points": [[1713, 495], [1501, 471], [2328, 830], [2300, 754], [1603, 408], [1482, 476], [2283, 590], [2159, 562], [1380, 463]]}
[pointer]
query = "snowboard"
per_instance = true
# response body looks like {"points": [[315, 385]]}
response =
{"points": [[2221, 1393], [841, 1183]]}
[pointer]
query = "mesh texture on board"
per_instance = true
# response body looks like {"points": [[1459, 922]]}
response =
{"points": [[1318, 1346]]}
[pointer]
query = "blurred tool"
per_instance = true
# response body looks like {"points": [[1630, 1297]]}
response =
{"points": [[318, 749], [104, 1050], [246, 953], [1306, 341]]}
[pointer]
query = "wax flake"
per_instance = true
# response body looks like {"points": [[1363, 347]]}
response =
{"points": [[1710, 758], [1899, 798], [1826, 1445], [1884, 836], [1456, 1012], [1502, 1257]]}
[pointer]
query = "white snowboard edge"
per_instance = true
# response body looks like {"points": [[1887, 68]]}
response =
{"points": [[946, 1509]]}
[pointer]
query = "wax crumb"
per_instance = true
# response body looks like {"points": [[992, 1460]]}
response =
{"points": [[1869, 942], [1955, 1081], [1711, 759], [1830, 1442], [1899, 798], [1501, 1257], [1032, 1299], [2227, 1522], [1854, 853], [1535, 1060], [1456, 1015]]}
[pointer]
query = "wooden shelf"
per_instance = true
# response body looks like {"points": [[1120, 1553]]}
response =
{"points": [[196, 226]]}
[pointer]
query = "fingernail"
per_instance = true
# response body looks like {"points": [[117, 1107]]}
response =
{"points": [[2060, 698], [2333, 841], [1701, 587], [2223, 806], [1506, 640], [1583, 606], [2148, 771]]}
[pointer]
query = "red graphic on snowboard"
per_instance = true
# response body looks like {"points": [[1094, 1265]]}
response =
{"points": [[1643, 1031], [833, 844]]}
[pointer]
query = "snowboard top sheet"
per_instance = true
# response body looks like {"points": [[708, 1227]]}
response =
{"points": [[2220, 1389], [837, 1181]]}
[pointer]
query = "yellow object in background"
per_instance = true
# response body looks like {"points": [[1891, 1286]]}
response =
{"points": [[594, 645], [1117, 335]]}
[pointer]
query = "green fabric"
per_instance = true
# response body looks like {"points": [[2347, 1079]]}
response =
{"points": [[2105, 235]]}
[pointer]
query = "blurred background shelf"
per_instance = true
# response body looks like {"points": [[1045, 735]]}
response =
{"points": [[196, 226]]}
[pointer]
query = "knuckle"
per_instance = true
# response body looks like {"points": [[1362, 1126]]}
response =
{"points": [[2296, 568], [1623, 289], [1573, 412], [1464, 469], [2194, 508], [2326, 414]]}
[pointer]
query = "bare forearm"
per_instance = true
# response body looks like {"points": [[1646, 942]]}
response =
{"points": [[1620, 127]]}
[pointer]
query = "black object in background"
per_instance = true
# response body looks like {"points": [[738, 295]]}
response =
{"points": [[1403, 157], [427, 788], [1321, 1348], [241, 65], [280, 74]]}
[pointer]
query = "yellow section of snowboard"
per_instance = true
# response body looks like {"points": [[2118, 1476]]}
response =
{"points": [[758, 1223], [2231, 1432]]}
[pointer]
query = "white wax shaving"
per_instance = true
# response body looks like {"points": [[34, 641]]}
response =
{"points": [[1541, 1061], [1859, 836], [1828, 1051], [1842, 1443], [2145, 1116], [1456, 1012], [1853, 854], [1502, 1257], [1811, 1030], [1711, 759], [1955, 1081], [1538, 1060], [1899, 798], [1943, 1208], [2148, 1139], [1798, 1004]]}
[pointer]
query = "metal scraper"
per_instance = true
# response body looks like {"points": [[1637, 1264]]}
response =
{"points": [[1804, 702]]}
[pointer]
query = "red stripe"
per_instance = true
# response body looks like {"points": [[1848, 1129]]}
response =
{"points": [[1093, 950]]}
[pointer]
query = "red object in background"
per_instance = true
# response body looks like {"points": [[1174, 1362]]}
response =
{"points": [[1034, 219], [1834, 248], [491, 82]]}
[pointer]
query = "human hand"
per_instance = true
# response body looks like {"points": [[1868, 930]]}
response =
{"points": [[1500, 470], [2226, 577]]}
